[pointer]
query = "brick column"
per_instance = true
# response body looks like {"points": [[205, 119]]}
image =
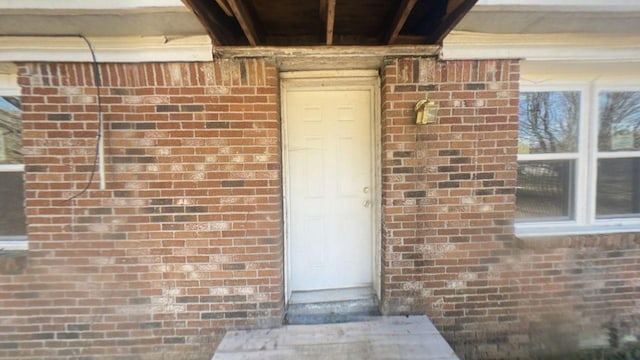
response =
{"points": [[448, 187]]}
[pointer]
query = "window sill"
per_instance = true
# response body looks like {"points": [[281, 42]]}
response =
{"points": [[10, 243], [564, 228]]}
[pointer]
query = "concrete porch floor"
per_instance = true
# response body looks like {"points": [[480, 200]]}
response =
{"points": [[392, 337]]}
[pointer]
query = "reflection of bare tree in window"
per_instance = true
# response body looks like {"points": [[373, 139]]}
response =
{"points": [[619, 114], [11, 130], [549, 121]]}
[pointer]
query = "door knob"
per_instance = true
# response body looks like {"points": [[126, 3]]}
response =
{"points": [[365, 190], [366, 203]]}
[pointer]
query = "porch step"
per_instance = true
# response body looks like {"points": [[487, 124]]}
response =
{"points": [[388, 338], [332, 306]]}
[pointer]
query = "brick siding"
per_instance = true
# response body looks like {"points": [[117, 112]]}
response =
{"points": [[449, 248], [448, 188], [187, 239]]}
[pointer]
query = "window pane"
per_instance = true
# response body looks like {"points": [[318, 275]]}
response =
{"points": [[618, 187], [549, 122], [10, 131], [619, 121], [545, 190], [12, 219]]}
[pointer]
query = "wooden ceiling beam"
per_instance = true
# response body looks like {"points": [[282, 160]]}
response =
{"points": [[225, 7], [242, 14], [398, 22], [220, 28], [450, 20], [452, 5], [331, 17], [411, 39]]}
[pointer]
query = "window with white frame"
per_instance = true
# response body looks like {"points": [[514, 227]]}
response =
{"points": [[578, 158], [618, 154], [12, 214]]}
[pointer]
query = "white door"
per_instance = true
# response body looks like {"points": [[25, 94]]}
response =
{"points": [[329, 152]]}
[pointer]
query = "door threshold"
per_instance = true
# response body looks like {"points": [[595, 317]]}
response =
{"points": [[332, 306], [330, 295]]}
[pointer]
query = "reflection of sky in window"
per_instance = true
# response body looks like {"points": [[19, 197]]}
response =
{"points": [[556, 108], [9, 103], [549, 120]]}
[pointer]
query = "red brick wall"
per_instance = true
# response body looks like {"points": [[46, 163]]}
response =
{"points": [[570, 290], [449, 250], [448, 188], [186, 240]]}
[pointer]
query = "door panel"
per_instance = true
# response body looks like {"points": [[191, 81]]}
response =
{"points": [[330, 182]]}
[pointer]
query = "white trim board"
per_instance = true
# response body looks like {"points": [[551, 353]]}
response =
{"points": [[555, 5], [11, 167], [579, 72], [107, 49], [460, 45], [330, 74], [89, 4]]}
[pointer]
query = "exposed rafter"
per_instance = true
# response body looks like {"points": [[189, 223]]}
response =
{"points": [[398, 22], [456, 10], [295, 23], [225, 7], [218, 27], [330, 19], [245, 20]]}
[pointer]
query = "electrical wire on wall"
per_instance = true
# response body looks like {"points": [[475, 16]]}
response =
{"points": [[98, 160]]}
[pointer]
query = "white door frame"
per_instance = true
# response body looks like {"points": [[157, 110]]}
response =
{"points": [[335, 80]]}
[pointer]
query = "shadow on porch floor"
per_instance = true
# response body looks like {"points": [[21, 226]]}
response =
{"points": [[392, 337]]}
